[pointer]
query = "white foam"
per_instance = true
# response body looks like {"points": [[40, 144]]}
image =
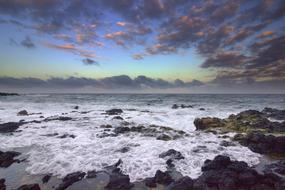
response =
{"points": [[88, 152]]}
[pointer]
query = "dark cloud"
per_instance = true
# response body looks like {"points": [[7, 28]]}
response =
{"points": [[225, 59], [88, 61], [269, 52], [28, 43]]}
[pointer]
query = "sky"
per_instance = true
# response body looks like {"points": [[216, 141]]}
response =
{"points": [[171, 46]]}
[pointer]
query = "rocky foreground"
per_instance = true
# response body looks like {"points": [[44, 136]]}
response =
{"points": [[254, 129]]}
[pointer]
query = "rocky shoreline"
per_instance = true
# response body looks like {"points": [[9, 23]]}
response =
{"points": [[254, 129]]}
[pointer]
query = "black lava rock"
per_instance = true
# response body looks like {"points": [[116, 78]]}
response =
{"points": [[7, 158], [184, 183], [30, 187], [173, 154], [46, 178], [10, 127], [2, 184], [119, 182], [70, 179], [23, 113], [114, 111]]}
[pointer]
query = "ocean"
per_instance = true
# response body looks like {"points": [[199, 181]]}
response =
{"points": [[89, 146]]}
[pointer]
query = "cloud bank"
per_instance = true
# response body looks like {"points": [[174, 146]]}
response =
{"points": [[140, 84]]}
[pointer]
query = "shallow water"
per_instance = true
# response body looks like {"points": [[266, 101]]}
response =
{"points": [[50, 154]]}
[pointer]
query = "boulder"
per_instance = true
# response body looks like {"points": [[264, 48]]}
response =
{"points": [[119, 182], [150, 182], [10, 127], [173, 154], [175, 106], [7, 158], [114, 111], [46, 178], [66, 136], [124, 149], [274, 113], [23, 113], [118, 118], [245, 121], [120, 130], [2, 184], [164, 137], [69, 179], [208, 122], [221, 173], [163, 177], [160, 177], [263, 144]]}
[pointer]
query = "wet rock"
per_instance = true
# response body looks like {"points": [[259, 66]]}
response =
{"points": [[278, 167], [202, 109], [7, 158], [164, 137], [173, 154], [227, 143], [2, 184], [175, 106], [67, 136], [200, 149], [169, 163], [76, 107], [274, 113], [263, 144], [23, 113], [118, 118], [51, 135], [118, 163], [150, 182], [119, 182], [106, 126], [245, 121], [163, 177], [124, 150], [10, 127], [221, 173], [91, 174], [46, 178], [160, 177], [8, 94], [208, 122], [219, 162], [114, 111], [119, 130], [30, 187], [186, 106], [184, 183], [60, 118], [70, 179]]}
